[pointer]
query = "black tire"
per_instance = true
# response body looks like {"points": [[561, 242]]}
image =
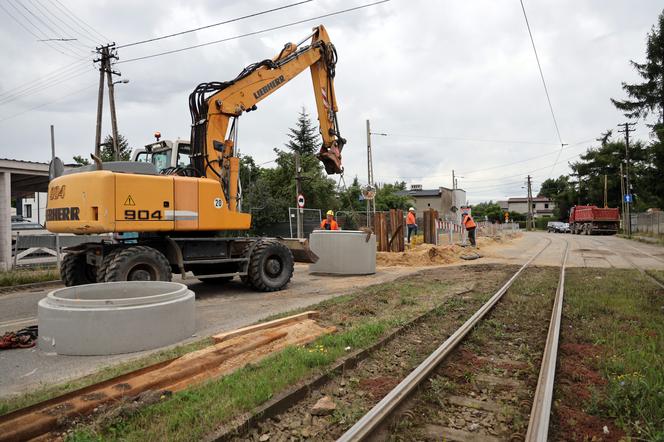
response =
{"points": [[270, 267], [139, 263], [74, 270], [108, 258]]}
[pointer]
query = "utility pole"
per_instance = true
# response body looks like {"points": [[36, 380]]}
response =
{"points": [[529, 221], [106, 54], [453, 180], [371, 203], [628, 188], [622, 198], [57, 237], [605, 193], [298, 187]]}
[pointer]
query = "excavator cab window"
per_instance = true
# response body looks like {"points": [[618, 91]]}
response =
{"points": [[184, 155]]}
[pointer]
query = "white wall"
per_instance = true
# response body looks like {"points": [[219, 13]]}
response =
{"points": [[39, 201]]}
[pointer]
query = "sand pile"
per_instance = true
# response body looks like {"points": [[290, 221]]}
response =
{"points": [[429, 255]]}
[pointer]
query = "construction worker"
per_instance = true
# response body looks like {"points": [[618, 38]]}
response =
{"points": [[329, 223], [470, 226], [411, 223]]}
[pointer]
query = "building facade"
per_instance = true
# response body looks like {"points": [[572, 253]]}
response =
{"points": [[446, 201], [542, 206]]}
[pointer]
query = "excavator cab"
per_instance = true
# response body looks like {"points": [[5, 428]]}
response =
{"points": [[166, 155]]}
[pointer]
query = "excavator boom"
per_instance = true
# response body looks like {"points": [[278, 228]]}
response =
{"points": [[216, 106]]}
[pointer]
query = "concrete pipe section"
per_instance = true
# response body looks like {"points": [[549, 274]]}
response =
{"points": [[115, 317], [343, 252]]}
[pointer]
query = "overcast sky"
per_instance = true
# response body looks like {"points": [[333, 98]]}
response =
{"points": [[454, 84]]}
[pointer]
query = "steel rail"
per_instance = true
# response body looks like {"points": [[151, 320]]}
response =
{"points": [[538, 425], [364, 427]]}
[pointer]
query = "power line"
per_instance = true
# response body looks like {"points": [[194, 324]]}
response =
{"points": [[46, 77], [27, 29], [480, 140], [48, 103], [546, 89], [580, 143], [40, 87], [83, 24], [83, 35], [256, 14], [262, 31], [29, 11]]}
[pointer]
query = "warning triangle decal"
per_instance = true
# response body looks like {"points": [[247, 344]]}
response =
{"points": [[129, 201]]}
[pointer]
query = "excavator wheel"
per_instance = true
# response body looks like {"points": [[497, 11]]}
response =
{"points": [[138, 263], [108, 258], [270, 266], [74, 270]]}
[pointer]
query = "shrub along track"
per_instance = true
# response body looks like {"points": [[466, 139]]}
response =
{"points": [[454, 401]]}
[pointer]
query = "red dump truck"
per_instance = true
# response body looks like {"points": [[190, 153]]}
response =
{"points": [[589, 220]]}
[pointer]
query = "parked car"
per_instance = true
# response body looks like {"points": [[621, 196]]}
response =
{"points": [[553, 226]]}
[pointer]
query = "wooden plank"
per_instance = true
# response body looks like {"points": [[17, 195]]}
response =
{"points": [[265, 325]]}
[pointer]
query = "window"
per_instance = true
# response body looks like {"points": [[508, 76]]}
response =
{"points": [[533, 205], [546, 205], [28, 210]]}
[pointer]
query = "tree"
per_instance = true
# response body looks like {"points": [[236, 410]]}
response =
{"points": [[273, 190], [303, 138], [392, 196], [490, 210], [108, 154], [647, 97], [81, 161]]}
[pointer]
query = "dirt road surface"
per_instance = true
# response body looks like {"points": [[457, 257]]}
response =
{"points": [[220, 308]]}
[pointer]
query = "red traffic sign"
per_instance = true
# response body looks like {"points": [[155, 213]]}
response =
{"points": [[300, 201]]}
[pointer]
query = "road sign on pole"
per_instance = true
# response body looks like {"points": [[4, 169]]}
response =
{"points": [[300, 201], [628, 198]]}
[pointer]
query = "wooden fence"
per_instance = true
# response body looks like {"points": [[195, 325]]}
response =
{"points": [[389, 229]]}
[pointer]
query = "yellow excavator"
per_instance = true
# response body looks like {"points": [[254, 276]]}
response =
{"points": [[187, 218]]}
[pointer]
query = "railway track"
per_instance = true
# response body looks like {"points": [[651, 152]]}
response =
{"points": [[379, 422]]}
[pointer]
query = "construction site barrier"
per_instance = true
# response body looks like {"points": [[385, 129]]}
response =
{"points": [[649, 222], [43, 249]]}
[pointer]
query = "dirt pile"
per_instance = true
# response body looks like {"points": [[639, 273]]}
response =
{"points": [[429, 255]]}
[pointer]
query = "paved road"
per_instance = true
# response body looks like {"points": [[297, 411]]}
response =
{"points": [[218, 308], [230, 306], [584, 251]]}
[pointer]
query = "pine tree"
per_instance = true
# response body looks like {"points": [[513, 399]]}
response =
{"points": [[647, 97], [303, 138], [107, 152]]}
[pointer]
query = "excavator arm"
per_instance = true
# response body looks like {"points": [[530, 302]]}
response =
{"points": [[215, 109]]}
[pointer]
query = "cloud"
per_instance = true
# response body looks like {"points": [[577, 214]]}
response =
{"points": [[427, 73]]}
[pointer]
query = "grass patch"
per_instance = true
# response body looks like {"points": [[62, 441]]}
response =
{"points": [[621, 313], [27, 276], [361, 318], [45, 393], [191, 414]]}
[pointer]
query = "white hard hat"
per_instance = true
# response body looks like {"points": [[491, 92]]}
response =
{"points": [[411, 209]]}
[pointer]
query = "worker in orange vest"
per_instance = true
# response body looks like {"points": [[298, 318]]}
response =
{"points": [[469, 223], [329, 223], [411, 223]]}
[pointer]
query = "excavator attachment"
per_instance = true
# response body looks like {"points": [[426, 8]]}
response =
{"points": [[331, 159], [300, 249]]}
